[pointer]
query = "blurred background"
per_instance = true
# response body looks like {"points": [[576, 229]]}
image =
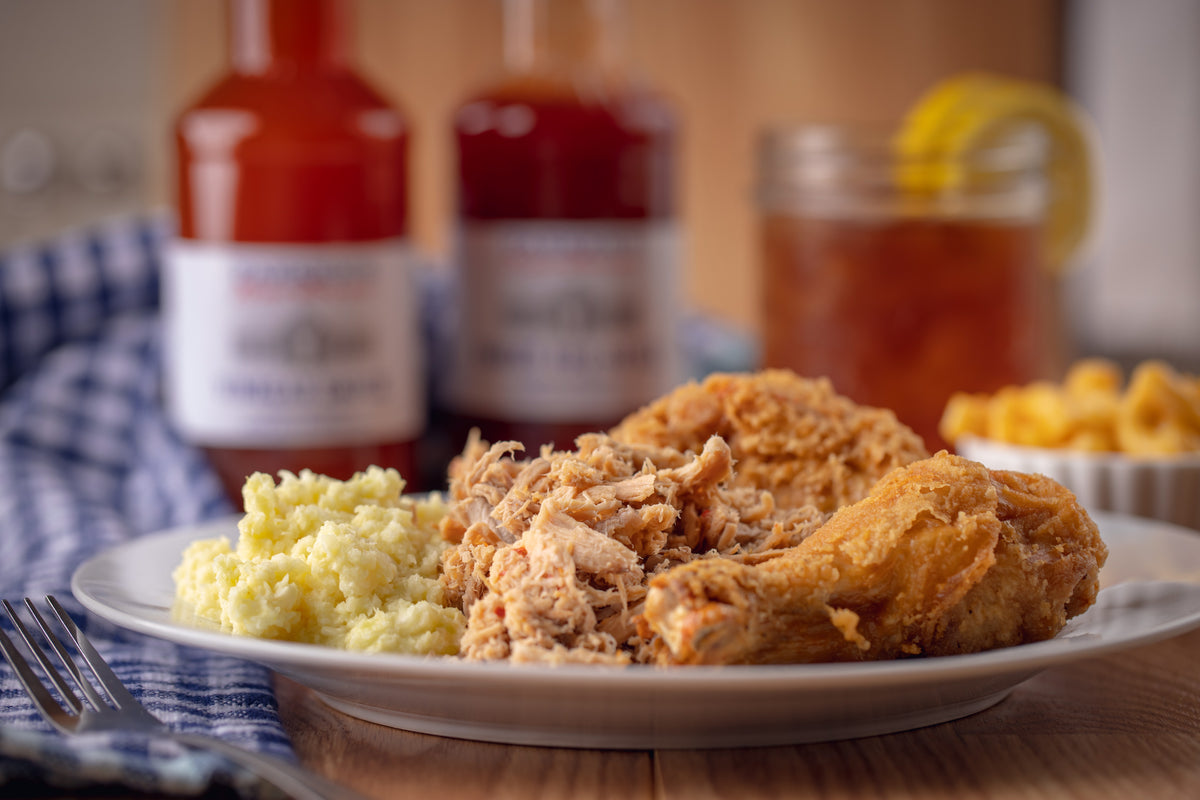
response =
{"points": [[88, 91]]}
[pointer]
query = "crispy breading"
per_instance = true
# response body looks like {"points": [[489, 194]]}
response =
{"points": [[943, 557], [791, 436]]}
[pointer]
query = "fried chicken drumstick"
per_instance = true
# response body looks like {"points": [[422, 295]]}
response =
{"points": [[942, 557]]}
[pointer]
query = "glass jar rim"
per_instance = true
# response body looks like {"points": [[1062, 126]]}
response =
{"points": [[792, 145], [843, 169]]}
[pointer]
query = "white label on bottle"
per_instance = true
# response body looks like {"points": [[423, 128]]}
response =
{"points": [[292, 345], [563, 321]]}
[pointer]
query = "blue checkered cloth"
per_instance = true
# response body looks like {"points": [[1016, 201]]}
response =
{"points": [[87, 461]]}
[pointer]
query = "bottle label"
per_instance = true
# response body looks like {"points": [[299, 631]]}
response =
{"points": [[564, 321], [292, 345]]}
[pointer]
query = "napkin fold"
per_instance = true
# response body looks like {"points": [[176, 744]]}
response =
{"points": [[87, 461]]}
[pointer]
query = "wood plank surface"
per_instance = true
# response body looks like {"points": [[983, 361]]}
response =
{"points": [[1122, 726]]}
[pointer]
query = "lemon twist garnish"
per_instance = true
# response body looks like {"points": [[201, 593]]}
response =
{"points": [[969, 112]]}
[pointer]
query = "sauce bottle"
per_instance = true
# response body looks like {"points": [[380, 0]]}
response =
{"points": [[567, 251], [291, 325]]}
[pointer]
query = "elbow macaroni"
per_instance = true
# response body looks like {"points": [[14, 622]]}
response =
{"points": [[1157, 413]]}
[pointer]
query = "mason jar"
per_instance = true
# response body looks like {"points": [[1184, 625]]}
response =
{"points": [[904, 280]]}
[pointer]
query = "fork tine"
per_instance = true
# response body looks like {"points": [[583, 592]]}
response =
{"points": [[92, 697], [120, 696], [53, 674], [43, 701], [48, 669]]}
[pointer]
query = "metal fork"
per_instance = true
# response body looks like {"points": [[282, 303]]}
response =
{"points": [[120, 711]]}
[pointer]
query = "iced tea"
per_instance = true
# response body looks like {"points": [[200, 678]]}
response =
{"points": [[902, 298], [901, 313]]}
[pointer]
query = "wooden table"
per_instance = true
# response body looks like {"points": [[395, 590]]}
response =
{"points": [[1124, 726]]}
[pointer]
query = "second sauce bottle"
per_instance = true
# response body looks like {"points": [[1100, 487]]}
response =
{"points": [[567, 248]]}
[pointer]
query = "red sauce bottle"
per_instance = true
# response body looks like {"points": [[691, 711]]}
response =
{"points": [[291, 324], [567, 254]]}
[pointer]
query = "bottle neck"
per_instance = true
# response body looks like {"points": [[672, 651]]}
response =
{"points": [[272, 35], [564, 36]]}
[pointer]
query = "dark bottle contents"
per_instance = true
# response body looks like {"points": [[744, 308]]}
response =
{"points": [[567, 252], [292, 199]]}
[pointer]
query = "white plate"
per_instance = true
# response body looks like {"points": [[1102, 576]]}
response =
{"points": [[1148, 596]]}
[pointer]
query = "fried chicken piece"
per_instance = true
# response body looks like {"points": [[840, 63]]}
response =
{"points": [[793, 437], [943, 557]]}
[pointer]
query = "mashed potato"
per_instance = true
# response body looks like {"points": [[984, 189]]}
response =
{"points": [[350, 564]]}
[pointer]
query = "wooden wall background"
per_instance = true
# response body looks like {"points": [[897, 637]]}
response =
{"points": [[731, 66]]}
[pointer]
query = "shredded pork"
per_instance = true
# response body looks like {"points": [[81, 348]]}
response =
{"points": [[553, 553]]}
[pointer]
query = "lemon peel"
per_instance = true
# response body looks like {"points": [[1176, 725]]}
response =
{"points": [[970, 112]]}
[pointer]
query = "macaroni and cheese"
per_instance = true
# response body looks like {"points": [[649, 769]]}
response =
{"points": [[1156, 413]]}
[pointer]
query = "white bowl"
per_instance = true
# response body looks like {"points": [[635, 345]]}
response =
{"points": [[1160, 487]]}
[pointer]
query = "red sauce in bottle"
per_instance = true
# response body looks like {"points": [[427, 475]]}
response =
{"points": [[565, 262], [293, 158]]}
